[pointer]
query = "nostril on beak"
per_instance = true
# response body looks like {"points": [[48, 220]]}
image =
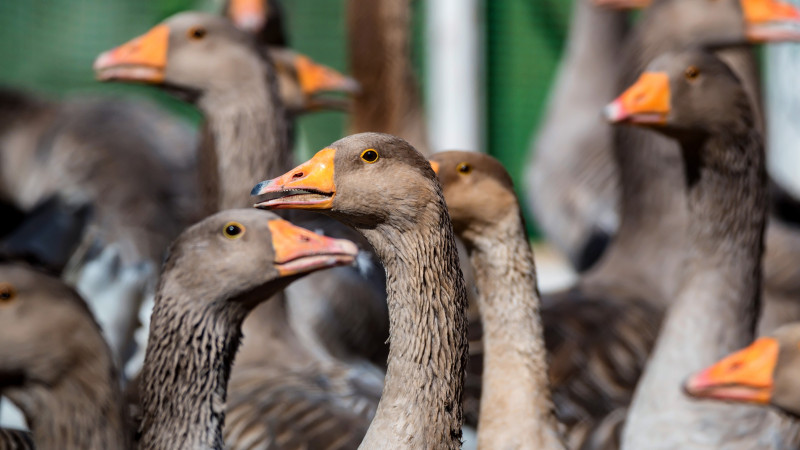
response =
{"points": [[297, 175], [304, 238]]}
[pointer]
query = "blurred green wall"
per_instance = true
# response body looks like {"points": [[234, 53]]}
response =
{"points": [[48, 46]]}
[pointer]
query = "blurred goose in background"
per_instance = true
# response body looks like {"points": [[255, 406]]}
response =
{"points": [[384, 188], [95, 153], [55, 365], [579, 212], [597, 344], [245, 135], [516, 409], [571, 178], [648, 249], [379, 45], [765, 373], [716, 304]]}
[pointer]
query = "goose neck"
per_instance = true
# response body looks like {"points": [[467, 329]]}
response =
{"points": [[186, 372], [421, 401], [516, 409]]}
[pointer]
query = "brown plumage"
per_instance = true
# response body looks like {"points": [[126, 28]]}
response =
{"points": [[385, 189], [597, 341], [216, 273], [717, 301], [55, 365], [516, 410]]}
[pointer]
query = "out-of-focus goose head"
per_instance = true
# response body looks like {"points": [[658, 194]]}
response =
{"points": [[37, 349], [690, 92], [764, 373], [302, 81], [190, 52]]}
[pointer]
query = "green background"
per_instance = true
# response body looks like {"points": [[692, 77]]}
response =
{"points": [[48, 46]]}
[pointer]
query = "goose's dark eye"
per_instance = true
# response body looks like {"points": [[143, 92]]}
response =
{"points": [[464, 168], [691, 73], [197, 33], [233, 230], [369, 155], [7, 293]]}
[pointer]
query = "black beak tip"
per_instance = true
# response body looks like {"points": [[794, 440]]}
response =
{"points": [[257, 188]]}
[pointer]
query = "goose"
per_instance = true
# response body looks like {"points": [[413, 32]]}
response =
{"points": [[379, 45], [716, 306], [596, 343], [763, 373], [56, 366], [383, 187], [516, 409], [571, 178], [246, 138], [217, 271]]}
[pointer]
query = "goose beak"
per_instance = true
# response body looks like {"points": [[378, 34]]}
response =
{"points": [[248, 15], [646, 102], [622, 4], [316, 78], [308, 186], [298, 250], [434, 166], [744, 376], [141, 59], [771, 20]]}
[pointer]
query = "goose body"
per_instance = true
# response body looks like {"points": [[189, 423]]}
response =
{"points": [[724, 163]]}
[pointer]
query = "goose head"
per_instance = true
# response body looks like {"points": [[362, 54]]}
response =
{"points": [[478, 191], [45, 327], [193, 54], [684, 93], [365, 180], [248, 255]]}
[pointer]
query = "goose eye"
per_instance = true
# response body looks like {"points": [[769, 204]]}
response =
{"points": [[7, 293], [197, 33], [369, 155], [233, 230], [691, 73], [464, 168]]}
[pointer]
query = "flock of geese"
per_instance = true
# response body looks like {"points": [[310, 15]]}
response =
{"points": [[649, 172]]}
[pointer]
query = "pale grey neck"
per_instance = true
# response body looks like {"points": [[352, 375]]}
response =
{"points": [[421, 402], [82, 410], [186, 371], [247, 138], [595, 37], [516, 408], [716, 308]]}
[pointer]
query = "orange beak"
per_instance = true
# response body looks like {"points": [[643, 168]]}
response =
{"points": [[298, 250], [434, 166], [744, 376], [771, 20], [308, 186], [623, 4], [141, 59], [646, 102], [316, 78], [248, 15]]}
